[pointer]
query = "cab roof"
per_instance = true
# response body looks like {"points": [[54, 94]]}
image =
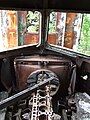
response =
{"points": [[63, 5]]}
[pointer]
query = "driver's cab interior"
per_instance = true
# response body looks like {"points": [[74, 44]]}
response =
{"points": [[44, 60]]}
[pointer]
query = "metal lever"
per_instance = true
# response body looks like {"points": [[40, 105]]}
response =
{"points": [[23, 94]]}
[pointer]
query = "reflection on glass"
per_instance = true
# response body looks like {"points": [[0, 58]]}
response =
{"points": [[18, 28], [71, 30]]}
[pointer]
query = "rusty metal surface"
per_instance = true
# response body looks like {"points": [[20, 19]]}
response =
{"points": [[20, 50], [23, 94], [25, 66], [41, 105], [68, 52]]}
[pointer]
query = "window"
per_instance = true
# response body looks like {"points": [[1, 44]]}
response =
{"points": [[71, 30], [18, 28], [33, 19]]}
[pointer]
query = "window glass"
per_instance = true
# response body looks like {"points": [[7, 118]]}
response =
{"points": [[52, 23], [33, 20], [18, 28], [71, 30]]}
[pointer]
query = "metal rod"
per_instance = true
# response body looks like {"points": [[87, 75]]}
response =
{"points": [[23, 94]]}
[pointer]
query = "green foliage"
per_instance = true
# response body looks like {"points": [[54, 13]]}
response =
{"points": [[33, 21], [84, 44], [52, 23]]}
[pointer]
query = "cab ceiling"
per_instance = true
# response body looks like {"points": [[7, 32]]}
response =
{"points": [[64, 5]]}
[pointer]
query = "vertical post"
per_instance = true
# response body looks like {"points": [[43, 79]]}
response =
{"points": [[44, 26]]}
